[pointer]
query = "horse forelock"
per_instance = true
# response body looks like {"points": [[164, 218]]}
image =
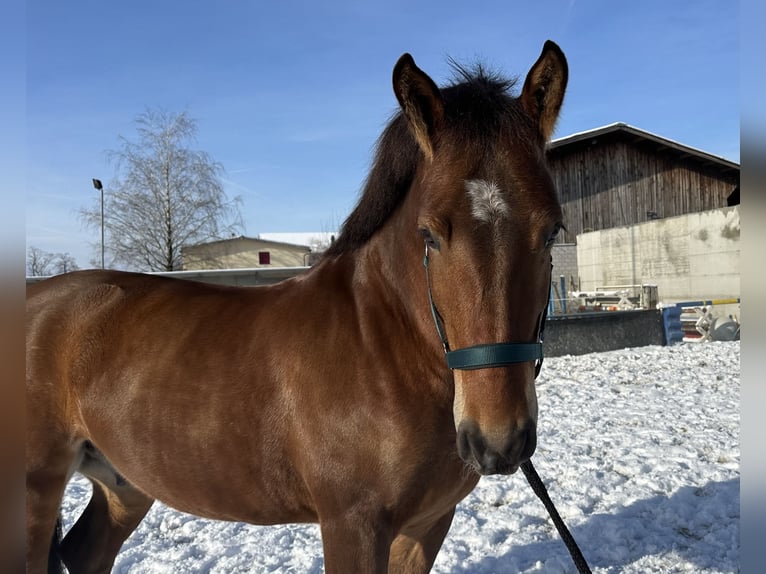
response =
{"points": [[478, 105]]}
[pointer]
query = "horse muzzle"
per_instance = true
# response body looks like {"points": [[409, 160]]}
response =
{"points": [[497, 454]]}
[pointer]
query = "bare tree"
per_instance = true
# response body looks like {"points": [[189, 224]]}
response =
{"points": [[64, 263], [165, 196], [41, 263]]}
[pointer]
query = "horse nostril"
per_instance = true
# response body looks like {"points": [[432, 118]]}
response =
{"points": [[521, 445], [470, 443]]}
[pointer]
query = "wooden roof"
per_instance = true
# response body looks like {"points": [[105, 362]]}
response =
{"points": [[632, 134]]}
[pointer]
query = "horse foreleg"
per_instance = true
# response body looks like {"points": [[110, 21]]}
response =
{"points": [[113, 512], [355, 544], [415, 552], [45, 489]]}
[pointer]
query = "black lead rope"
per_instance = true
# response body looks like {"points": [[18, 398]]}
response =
{"points": [[496, 355], [542, 493]]}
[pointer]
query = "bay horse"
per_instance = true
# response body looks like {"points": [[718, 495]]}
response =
{"points": [[327, 397]]}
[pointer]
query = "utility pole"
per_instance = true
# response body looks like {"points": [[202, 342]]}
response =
{"points": [[98, 186]]}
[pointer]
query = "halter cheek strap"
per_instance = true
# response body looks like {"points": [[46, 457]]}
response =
{"points": [[490, 354]]}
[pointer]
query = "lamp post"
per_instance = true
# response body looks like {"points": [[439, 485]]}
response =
{"points": [[98, 186]]}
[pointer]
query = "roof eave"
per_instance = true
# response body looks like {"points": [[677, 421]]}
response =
{"points": [[643, 134]]}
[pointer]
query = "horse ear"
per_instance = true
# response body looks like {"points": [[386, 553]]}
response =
{"points": [[544, 88], [420, 100]]}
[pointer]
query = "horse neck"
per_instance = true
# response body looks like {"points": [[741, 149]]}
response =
{"points": [[391, 266]]}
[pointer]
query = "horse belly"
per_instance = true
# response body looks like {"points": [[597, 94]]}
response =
{"points": [[201, 452]]}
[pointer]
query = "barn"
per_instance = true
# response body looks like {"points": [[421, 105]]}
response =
{"points": [[643, 209], [620, 175]]}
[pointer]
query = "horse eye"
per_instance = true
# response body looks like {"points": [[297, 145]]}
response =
{"points": [[428, 237], [553, 236]]}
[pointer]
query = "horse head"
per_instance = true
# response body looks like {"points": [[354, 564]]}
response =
{"points": [[485, 207]]}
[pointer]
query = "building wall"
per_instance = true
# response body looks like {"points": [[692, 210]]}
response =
{"points": [[690, 257], [564, 256], [565, 263], [242, 253]]}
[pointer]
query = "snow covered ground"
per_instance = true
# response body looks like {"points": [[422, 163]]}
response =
{"points": [[639, 449]]}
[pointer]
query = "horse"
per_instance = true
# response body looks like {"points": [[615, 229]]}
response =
{"points": [[326, 397]]}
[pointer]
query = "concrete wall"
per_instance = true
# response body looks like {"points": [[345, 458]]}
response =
{"points": [[689, 257], [597, 332]]}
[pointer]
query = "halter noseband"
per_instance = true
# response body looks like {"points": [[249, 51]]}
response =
{"points": [[489, 354]]}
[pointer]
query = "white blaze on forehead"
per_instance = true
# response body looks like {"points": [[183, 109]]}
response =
{"points": [[487, 202]]}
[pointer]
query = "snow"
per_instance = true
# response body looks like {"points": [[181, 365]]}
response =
{"points": [[639, 449]]}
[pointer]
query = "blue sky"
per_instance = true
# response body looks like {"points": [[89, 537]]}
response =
{"points": [[291, 96]]}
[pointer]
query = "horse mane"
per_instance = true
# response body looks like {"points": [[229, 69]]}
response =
{"points": [[477, 105]]}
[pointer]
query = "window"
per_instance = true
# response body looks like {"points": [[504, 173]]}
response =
{"points": [[264, 258]]}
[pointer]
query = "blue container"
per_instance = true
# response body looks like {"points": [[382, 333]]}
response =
{"points": [[671, 325]]}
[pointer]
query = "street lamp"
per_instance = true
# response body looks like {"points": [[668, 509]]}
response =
{"points": [[98, 186]]}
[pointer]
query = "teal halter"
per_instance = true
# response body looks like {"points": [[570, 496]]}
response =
{"points": [[490, 354]]}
